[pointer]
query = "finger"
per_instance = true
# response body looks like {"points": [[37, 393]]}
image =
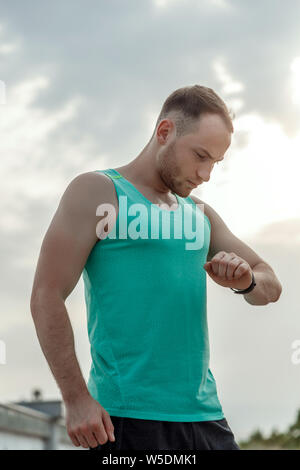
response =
{"points": [[90, 439], [220, 267], [215, 262], [241, 270], [109, 427], [207, 265], [100, 433], [74, 440], [208, 269], [82, 440], [232, 266], [223, 266]]}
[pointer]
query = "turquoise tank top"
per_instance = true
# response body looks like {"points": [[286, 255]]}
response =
{"points": [[145, 294]]}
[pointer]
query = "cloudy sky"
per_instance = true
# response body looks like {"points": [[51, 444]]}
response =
{"points": [[82, 83]]}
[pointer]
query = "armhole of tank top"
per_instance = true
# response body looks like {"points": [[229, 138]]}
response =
{"points": [[207, 219], [116, 191]]}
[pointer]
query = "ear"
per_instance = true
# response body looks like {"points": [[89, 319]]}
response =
{"points": [[164, 129]]}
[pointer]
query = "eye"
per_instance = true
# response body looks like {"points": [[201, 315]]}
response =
{"points": [[200, 156]]}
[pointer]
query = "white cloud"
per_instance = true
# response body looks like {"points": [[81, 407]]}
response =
{"points": [[7, 47], [25, 134], [165, 3], [230, 86], [220, 3], [2, 92], [25, 128], [258, 183]]}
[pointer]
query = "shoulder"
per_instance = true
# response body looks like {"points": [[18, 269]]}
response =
{"points": [[91, 186], [79, 208], [83, 197], [90, 179]]}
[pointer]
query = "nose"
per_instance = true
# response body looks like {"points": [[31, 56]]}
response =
{"points": [[203, 174]]}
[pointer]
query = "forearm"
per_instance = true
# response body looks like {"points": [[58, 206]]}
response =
{"points": [[56, 338], [268, 288]]}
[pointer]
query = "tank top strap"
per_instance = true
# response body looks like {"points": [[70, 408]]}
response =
{"points": [[122, 186]]}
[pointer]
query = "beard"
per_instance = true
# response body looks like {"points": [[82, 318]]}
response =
{"points": [[169, 171]]}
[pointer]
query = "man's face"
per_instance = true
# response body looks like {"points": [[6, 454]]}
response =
{"points": [[190, 159]]}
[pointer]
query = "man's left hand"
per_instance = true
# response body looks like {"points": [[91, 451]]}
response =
{"points": [[229, 270]]}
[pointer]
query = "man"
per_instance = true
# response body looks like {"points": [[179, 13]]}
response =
{"points": [[150, 382]]}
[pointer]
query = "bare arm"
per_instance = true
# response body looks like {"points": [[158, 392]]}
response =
{"points": [[64, 251], [56, 338], [231, 262], [268, 288]]}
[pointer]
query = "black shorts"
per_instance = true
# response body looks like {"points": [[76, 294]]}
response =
{"points": [[145, 434]]}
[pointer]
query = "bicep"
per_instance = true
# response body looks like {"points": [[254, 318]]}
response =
{"points": [[68, 241]]}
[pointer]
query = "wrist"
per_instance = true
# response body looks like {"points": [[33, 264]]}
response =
{"points": [[74, 397], [248, 289]]}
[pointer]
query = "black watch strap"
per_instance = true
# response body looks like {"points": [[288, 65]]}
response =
{"points": [[249, 289]]}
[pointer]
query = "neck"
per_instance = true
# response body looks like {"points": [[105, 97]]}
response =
{"points": [[142, 170]]}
